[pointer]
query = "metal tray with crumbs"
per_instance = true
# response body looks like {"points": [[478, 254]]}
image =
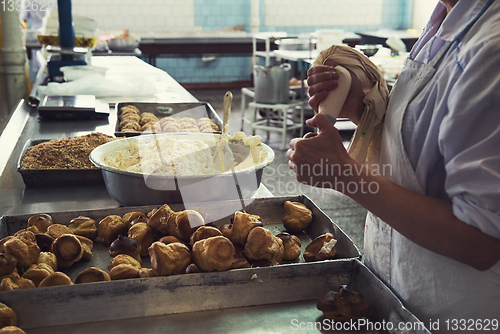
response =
{"points": [[36, 178]]}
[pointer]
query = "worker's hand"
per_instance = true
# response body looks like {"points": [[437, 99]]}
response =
{"points": [[322, 79], [319, 159]]}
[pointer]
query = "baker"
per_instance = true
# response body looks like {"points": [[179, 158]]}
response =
{"points": [[433, 228]]}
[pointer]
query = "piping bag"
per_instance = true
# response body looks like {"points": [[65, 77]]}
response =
{"points": [[332, 105], [365, 143]]}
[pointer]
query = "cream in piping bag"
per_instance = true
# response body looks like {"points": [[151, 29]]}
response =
{"points": [[332, 105]]}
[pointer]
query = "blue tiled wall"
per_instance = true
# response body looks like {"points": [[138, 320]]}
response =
{"points": [[219, 14]]}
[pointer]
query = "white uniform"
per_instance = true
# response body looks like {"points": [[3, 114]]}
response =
{"points": [[442, 138]]}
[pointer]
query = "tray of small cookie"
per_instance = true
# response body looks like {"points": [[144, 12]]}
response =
{"points": [[135, 118], [201, 258]]}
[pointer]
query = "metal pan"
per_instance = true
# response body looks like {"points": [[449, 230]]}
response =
{"points": [[36, 178], [195, 110], [265, 299]]}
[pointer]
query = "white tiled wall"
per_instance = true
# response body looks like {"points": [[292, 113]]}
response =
{"points": [[286, 13], [144, 15]]}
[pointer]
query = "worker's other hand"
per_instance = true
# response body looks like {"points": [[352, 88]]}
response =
{"points": [[318, 159], [322, 79]]}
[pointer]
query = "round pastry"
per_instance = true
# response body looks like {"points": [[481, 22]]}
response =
{"points": [[3, 241], [146, 272], [134, 217], [87, 246], [7, 316], [158, 219], [92, 274], [185, 223], [11, 330], [48, 258], [168, 239], [297, 218], [226, 230], [129, 116], [44, 241], [8, 264], [123, 271], [67, 249], [124, 259], [291, 245], [263, 245], [125, 245], [24, 248], [130, 125], [15, 282], [213, 254], [110, 227], [130, 108], [188, 120], [240, 262], [169, 259], [192, 269], [344, 305], [37, 272], [204, 232], [143, 234], [321, 248], [39, 223], [170, 127], [263, 263], [83, 226], [242, 224], [56, 230], [56, 279]]}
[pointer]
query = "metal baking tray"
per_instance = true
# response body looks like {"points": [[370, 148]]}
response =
{"points": [[36, 178], [278, 299], [195, 110], [241, 300]]}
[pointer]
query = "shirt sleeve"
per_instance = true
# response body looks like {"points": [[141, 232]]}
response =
{"points": [[469, 140]]}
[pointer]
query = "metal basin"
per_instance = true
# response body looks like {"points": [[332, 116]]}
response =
{"points": [[132, 188], [123, 44]]}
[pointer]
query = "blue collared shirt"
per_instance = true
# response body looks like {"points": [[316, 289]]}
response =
{"points": [[451, 129]]}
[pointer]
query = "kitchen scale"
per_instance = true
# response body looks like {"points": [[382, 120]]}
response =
{"points": [[73, 107]]}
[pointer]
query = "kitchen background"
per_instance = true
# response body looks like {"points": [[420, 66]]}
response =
{"points": [[159, 17]]}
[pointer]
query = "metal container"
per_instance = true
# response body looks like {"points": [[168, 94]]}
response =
{"points": [[296, 44], [195, 110], [272, 84], [123, 44], [35, 178], [130, 188], [251, 300]]}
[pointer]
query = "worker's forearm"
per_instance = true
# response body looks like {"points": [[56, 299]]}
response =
{"points": [[427, 221]]}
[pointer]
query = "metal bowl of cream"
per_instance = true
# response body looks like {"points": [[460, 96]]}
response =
{"points": [[157, 184]]}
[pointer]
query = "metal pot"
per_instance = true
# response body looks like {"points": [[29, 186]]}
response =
{"points": [[272, 83], [134, 188]]}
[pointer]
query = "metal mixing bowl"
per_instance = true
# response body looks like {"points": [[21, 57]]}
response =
{"points": [[123, 44], [130, 188]]}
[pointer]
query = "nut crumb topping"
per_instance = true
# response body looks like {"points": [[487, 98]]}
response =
{"points": [[65, 153]]}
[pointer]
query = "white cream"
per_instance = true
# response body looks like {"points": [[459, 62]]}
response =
{"points": [[328, 246]]}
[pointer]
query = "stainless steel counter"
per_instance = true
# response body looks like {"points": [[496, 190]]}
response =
{"points": [[25, 124]]}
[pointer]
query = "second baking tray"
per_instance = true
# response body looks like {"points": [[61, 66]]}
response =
{"points": [[194, 110], [36, 178]]}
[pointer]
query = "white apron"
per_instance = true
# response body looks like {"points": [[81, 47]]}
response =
{"points": [[433, 287]]}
